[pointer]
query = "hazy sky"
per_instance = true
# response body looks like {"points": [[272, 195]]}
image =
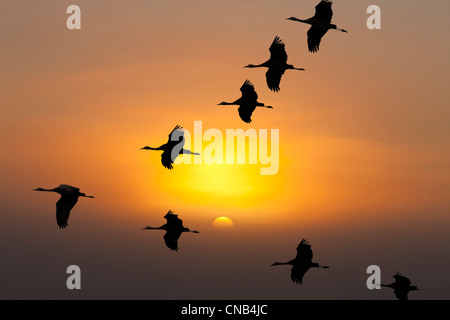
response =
{"points": [[364, 149]]}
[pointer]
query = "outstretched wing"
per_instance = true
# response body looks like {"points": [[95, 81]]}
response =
{"points": [[68, 189], [278, 51], [246, 111], [304, 252], [248, 91], [315, 34], [401, 294], [171, 239], [166, 159], [173, 221], [176, 139], [273, 78], [297, 273], [401, 280], [180, 133], [63, 207], [324, 11]]}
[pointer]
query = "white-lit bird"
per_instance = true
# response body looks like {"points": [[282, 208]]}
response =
{"points": [[174, 228], [402, 286], [277, 64], [69, 197], [320, 24], [302, 262], [247, 102], [172, 148]]}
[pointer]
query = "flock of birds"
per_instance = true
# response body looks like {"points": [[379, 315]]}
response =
{"points": [[248, 102]]}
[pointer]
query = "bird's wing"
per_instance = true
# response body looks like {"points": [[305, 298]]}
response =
{"points": [[173, 220], [248, 91], [179, 130], [171, 239], [278, 51], [246, 111], [401, 294], [297, 273], [273, 78], [401, 280], [304, 252], [166, 159], [69, 189], [63, 207], [324, 11], [315, 34]]}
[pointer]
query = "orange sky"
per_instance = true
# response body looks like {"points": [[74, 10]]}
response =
{"points": [[364, 130]]}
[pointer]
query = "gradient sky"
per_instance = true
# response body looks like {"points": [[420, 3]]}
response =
{"points": [[364, 149]]}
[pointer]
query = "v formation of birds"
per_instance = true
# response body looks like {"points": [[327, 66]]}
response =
{"points": [[248, 102]]}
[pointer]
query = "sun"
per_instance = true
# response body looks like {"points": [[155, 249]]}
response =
{"points": [[223, 223]]}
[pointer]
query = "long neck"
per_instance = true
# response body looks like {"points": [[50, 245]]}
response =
{"points": [[48, 190], [308, 21], [227, 103], [264, 64], [282, 263], [151, 148], [152, 228]]}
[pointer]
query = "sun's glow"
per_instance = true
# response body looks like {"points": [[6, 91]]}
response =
{"points": [[223, 223]]}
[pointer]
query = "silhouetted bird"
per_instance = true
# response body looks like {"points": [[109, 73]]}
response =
{"points": [[402, 286], [320, 24], [277, 64], [174, 228], [69, 197], [172, 148], [247, 102], [302, 262]]}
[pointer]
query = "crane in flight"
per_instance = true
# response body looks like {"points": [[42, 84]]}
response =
{"points": [[302, 262], [247, 102], [174, 228], [172, 148], [277, 64], [320, 24], [69, 198], [402, 286]]}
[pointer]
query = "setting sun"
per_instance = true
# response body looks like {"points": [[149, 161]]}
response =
{"points": [[223, 223]]}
